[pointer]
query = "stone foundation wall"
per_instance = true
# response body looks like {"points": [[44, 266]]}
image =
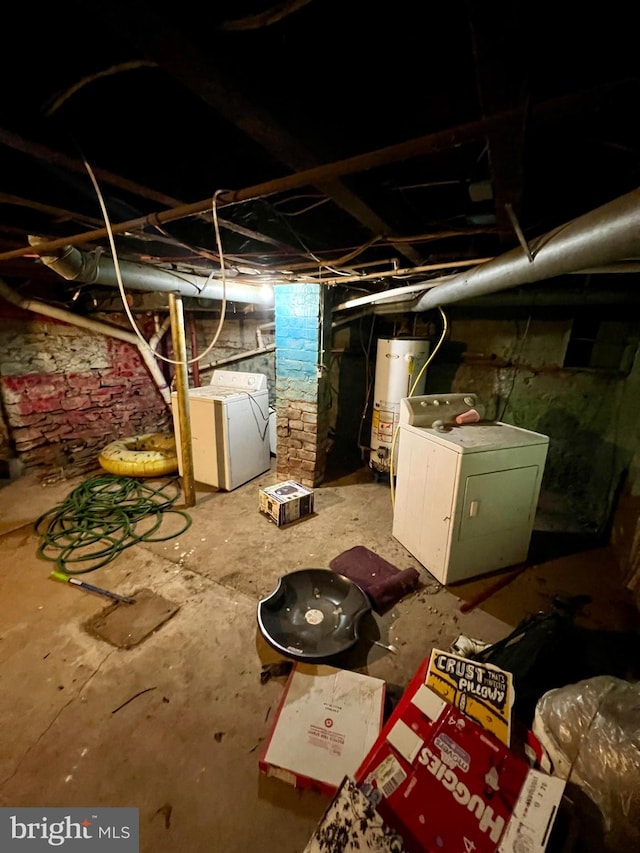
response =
{"points": [[66, 392], [591, 416]]}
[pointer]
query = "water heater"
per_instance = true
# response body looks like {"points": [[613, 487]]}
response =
{"points": [[398, 363]]}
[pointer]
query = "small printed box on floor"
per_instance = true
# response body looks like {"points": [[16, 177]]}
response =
{"points": [[286, 502]]}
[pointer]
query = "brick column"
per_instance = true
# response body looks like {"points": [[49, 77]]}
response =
{"points": [[301, 410]]}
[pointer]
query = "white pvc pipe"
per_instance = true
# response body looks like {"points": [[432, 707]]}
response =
{"points": [[263, 328], [93, 326], [242, 356]]}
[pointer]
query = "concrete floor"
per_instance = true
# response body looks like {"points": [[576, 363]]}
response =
{"points": [[185, 750]]}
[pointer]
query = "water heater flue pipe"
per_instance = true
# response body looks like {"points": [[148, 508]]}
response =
{"points": [[90, 268]]}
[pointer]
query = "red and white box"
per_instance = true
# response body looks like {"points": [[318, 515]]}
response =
{"points": [[327, 721], [445, 784]]}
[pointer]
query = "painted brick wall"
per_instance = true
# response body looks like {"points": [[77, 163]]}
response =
{"points": [[66, 392], [301, 416]]}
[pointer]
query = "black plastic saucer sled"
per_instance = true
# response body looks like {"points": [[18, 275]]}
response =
{"points": [[312, 614]]}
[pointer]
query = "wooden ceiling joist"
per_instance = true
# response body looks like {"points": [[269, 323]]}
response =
{"points": [[431, 143], [159, 41]]}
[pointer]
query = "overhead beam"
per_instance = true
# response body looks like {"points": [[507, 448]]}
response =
{"points": [[430, 144], [59, 213], [161, 42], [103, 176], [71, 164], [500, 79]]}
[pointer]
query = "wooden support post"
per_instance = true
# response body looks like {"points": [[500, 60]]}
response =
{"points": [[176, 312]]}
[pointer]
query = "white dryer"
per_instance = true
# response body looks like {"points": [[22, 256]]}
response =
{"points": [[229, 429], [465, 496]]}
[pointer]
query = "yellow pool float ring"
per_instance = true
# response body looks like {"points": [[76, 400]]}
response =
{"points": [[150, 455]]}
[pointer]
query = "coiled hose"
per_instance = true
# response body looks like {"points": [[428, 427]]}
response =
{"points": [[102, 517]]}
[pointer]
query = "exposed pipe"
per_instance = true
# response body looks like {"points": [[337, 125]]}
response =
{"points": [[443, 140], [195, 367], [607, 234], [398, 299], [93, 326], [406, 292], [554, 297], [398, 273], [158, 340], [74, 265], [264, 327], [161, 330], [242, 356]]}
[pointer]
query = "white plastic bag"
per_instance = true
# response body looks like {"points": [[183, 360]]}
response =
{"points": [[591, 731]]}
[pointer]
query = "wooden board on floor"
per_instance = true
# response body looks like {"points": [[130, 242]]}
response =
{"points": [[127, 625]]}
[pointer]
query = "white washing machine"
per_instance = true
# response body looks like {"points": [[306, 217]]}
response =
{"points": [[465, 496], [229, 429]]}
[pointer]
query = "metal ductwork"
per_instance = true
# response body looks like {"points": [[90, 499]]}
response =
{"points": [[74, 265], [606, 235]]}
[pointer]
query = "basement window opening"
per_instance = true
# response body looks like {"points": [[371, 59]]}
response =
{"points": [[602, 345]]}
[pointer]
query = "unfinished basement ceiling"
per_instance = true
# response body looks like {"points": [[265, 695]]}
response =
{"points": [[524, 121]]}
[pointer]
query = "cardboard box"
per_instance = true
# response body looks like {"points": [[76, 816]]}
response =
{"points": [[286, 502], [350, 824], [481, 691], [327, 721], [444, 783]]}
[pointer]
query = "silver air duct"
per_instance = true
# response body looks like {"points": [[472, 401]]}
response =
{"points": [[605, 235], [74, 265]]}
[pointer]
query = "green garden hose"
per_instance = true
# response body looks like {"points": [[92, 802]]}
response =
{"points": [[102, 517]]}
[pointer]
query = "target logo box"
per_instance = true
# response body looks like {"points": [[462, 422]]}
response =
{"points": [[327, 721]]}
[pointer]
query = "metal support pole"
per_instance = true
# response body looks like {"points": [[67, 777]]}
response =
{"points": [[176, 312]]}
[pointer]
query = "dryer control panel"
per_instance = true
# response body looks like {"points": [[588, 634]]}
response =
{"points": [[238, 380], [431, 409]]}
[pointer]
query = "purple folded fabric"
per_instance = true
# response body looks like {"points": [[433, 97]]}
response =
{"points": [[383, 582]]}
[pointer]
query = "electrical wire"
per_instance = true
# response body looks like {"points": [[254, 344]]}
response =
{"points": [[445, 328], [358, 250], [223, 310], [255, 411], [307, 208], [103, 516], [114, 69], [116, 264], [369, 377], [516, 366], [308, 251], [289, 198]]}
